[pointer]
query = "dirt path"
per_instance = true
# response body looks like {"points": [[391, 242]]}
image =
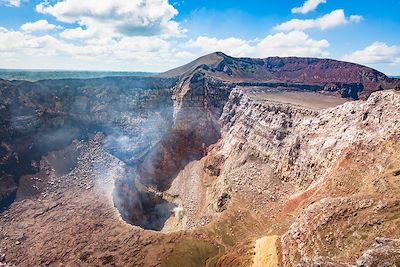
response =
{"points": [[266, 252]]}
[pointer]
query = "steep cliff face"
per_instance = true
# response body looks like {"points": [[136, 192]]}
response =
{"points": [[298, 144], [204, 86], [198, 103], [284, 159], [301, 144], [353, 214]]}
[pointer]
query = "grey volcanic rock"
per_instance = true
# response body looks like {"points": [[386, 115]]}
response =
{"points": [[8, 189], [385, 252], [301, 144], [198, 103], [38, 117]]}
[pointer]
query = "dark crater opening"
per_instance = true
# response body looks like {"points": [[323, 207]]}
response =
{"points": [[155, 211], [141, 206], [40, 120]]}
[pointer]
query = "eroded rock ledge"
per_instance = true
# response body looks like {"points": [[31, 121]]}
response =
{"points": [[301, 144]]}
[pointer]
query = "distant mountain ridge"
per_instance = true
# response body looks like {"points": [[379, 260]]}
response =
{"points": [[36, 75], [330, 75]]}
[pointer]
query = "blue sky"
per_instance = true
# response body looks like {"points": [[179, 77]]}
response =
{"points": [[155, 35]]}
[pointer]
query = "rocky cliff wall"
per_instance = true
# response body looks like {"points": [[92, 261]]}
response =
{"points": [[329, 168], [205, 84], [300, 144]]}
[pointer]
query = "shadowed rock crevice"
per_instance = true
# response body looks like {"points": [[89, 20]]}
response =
{"points": [[140, 206], [198, 104]]}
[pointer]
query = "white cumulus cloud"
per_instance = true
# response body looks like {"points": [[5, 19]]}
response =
{"points": [[231, 46], [376, 53], [14, 3], [295, 43], [330, 20], [115, 17], [308, 6], [144, 53], [78, 33], [356, 18], [107, 34], [40, 25]]}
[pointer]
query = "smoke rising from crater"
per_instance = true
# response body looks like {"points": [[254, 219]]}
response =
{"points": [[44, 116]]}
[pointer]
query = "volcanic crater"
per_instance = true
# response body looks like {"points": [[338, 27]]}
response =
{"points": [[237, 161]]}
